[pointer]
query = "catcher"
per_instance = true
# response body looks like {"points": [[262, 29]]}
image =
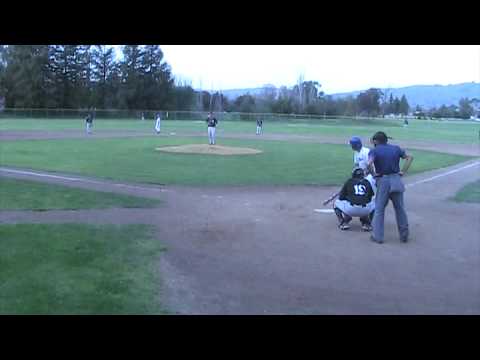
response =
{"points": [[354, 200]]}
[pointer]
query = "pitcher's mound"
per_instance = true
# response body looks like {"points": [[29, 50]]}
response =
{"points": [[209, 149]]}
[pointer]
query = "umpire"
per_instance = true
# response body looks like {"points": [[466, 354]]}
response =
{"points": [[386, 159]]}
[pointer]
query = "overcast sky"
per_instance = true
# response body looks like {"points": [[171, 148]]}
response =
{"points": [[339, 68]]}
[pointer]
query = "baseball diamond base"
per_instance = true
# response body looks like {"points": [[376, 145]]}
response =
{"points": [[209, 149]]}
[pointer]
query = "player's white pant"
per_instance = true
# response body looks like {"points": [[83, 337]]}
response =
{"points": [[372, 182], [259, 130], [355, 210], [157, 126], [89, 128], [211, 135]]}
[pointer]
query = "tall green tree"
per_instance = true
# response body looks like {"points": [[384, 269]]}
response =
{"points": [[130, 92], [70, 72], [391, 105], [184, 97], [368, 101], [157, 79], [465, 109], [245, 103], [404, 107], [3, 68], [104, 72], [24, 75], [396, 106]]}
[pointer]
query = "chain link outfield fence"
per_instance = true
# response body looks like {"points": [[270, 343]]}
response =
{"points": [[114, 114]]}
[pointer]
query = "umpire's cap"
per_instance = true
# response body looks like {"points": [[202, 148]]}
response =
{"points": [[380, 137], [356, 142]]}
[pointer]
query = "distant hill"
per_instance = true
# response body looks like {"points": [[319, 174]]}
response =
{"points": [[427, 96], [232, 94]]}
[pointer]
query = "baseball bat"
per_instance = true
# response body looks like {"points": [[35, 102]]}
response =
{"points": [[331, 198]]}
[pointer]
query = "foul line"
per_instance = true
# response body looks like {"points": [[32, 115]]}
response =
{"points": [[444, 174], [22, 172], [38, 174]]}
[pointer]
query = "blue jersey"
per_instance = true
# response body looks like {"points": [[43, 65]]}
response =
{"points": [[386, 158]]}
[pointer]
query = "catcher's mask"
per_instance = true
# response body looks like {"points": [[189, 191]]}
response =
{"points": [[358, 173]]}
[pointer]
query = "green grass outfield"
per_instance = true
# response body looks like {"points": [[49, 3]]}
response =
{"points": [[460, 132], [29, 195], [469, 193], [135, 159], [79, 269]]}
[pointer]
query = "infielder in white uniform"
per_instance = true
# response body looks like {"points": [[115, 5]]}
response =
{"points": [[360, 159], [157, 123], [259, 126]]}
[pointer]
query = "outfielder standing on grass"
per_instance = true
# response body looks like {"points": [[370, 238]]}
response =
{"points": [[386, 158], [211, 123], [157, 123], [259, 126], [89, 123]]}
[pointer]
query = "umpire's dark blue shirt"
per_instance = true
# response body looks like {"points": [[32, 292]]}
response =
{"points": [[386, 158]]}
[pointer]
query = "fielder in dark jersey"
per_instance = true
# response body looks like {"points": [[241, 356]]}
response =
{"points": [[89, 122]]}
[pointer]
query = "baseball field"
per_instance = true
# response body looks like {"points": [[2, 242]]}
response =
{"points": [[107, 224]]}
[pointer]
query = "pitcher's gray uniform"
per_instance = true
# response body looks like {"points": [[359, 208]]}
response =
{"points": [[211, 123]]}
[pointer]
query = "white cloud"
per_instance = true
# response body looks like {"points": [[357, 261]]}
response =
{"points": [[337, 67]]}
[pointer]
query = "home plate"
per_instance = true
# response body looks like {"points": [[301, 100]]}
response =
{"points": [[324, 211]]}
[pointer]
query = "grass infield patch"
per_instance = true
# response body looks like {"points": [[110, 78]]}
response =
{"points": [[136, 160], [469, 193]]}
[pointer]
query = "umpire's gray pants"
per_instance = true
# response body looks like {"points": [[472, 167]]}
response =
{"points": [[389, 187]]}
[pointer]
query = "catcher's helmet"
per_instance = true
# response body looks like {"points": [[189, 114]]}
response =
{"points": [[356, 143], [358, 173]]}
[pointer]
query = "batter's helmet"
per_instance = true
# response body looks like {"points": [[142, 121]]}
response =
{"points": [[356, 143], [358, 173]]}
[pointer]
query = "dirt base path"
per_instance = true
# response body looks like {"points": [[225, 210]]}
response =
{"points": [[264, 250]]}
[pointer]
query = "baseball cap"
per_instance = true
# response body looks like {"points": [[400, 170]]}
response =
{"points": [[355, 141]]}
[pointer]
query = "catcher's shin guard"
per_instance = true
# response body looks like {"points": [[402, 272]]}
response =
{"points": [[339, 214]]}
